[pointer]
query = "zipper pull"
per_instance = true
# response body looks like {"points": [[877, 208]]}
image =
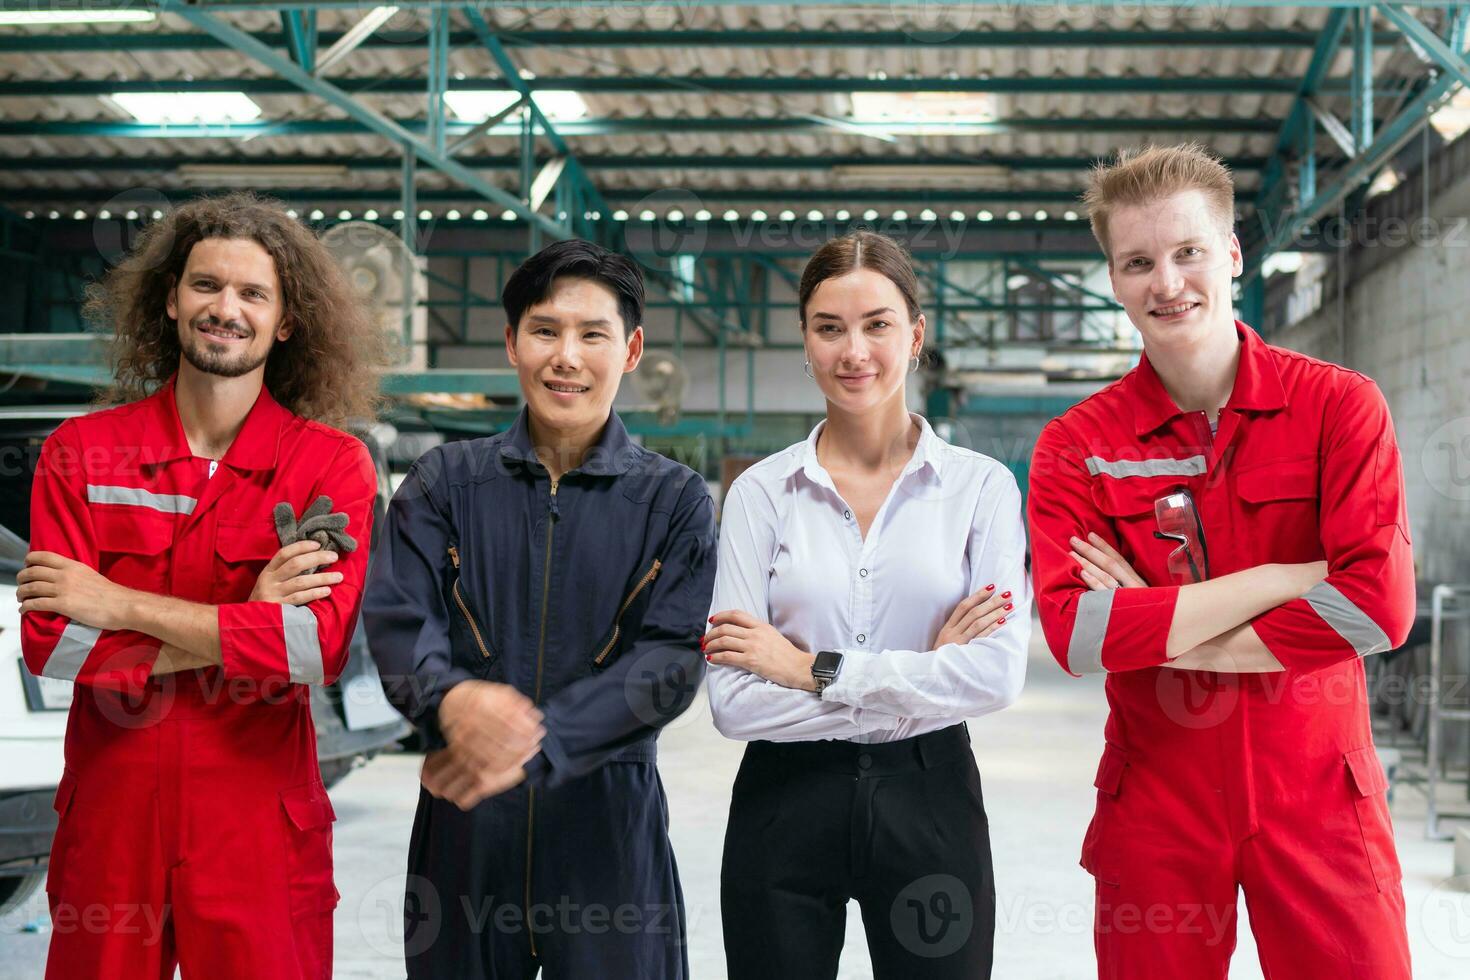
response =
{"points": [[454, 555], [555, 512]]}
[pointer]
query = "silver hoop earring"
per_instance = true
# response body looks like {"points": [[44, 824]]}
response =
{"points": [[914, 367], [807, 367]]}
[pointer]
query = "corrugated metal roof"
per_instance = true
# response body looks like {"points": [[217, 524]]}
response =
{"points": [[408, 59]]}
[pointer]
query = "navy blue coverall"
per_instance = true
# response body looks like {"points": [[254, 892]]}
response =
{"points": [[588, 595]]}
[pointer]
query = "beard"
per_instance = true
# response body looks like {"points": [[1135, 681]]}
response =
{"points": [[210, 359]]}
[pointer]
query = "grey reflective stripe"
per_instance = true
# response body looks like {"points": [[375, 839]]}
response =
{"points": [[303, 646], [71, 652], [1084, 652], [1350, 622], [1190, 466], [168, 503]]}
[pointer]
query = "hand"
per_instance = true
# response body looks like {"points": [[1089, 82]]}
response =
{"points": [[54, 584], [740, 640], [283, 579], [448, 775], [979, 614], [1102, 567], [492, 727]]}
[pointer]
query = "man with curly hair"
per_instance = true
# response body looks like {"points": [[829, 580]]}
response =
{"points": [[194, 829]]}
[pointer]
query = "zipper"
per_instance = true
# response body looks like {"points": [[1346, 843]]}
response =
{"points": [[553, 514], [464, 607], [648, 577]]}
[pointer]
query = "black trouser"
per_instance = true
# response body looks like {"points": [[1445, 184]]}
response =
{"points": [[899, 826], [604, 896]]}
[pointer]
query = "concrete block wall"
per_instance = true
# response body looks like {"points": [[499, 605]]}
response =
{"points": [[1405, 322]]}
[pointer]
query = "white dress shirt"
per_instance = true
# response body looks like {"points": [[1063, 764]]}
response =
{"points": [[792, 554]]}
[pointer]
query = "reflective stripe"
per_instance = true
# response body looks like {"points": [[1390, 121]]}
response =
{"points": [[1084, 652], [303, 646], [1350, 622], [1190, 466], [168, 503], [71, 652]]}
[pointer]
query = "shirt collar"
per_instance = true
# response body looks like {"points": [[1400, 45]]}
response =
{"points": [[613, 455], [254, 447], [1257, 386], [928, 455]]}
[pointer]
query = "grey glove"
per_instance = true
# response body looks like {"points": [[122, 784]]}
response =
{"points": [[318, 524]]}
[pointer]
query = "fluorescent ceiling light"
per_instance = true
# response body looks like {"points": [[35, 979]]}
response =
{"points": [[1453, 118], [187, 107], [912, 175], [474, 105], [261, 175], [1281, 262], [1387, 180], [922, 113], [76, 16]]}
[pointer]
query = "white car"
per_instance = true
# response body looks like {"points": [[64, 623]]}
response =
{"points": [[353, 719]]}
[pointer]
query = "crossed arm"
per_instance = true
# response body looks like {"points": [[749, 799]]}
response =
{"points": [[189, 631], [1211, 629]]}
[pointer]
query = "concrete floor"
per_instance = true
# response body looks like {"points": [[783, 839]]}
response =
{"points": [[1037, 761]]}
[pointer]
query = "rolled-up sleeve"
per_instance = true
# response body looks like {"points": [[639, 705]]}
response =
{"points": [[1087, 631], [309, 644], [1366, 604], [958, 679]]}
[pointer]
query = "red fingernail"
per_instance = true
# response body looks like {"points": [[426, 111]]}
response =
{"points": [[1005, 595], [989, 587], [712, 619], [999, 621], [709, 658], [1010, 605]]}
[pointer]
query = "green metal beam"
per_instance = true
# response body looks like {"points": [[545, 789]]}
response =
{"points": [[34, 43], [643, 125], [642, 161], [241, 5], [1428, 41], [696, 84], [360, 114]]}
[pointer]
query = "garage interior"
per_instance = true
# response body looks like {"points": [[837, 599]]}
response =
{"points": [[435, 145]]}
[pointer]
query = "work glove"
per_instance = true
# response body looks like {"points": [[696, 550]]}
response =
{"points": [[318, 524]]}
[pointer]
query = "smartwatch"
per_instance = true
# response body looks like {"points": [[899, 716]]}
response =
{"points": [[825, 669]]}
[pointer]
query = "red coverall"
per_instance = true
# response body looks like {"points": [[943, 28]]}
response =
{"points": [[1210, 781], [194, 828]]}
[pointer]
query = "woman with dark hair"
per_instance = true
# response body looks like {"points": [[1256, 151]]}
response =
{"points": [[870, 595]]}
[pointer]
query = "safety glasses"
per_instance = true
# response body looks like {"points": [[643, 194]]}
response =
{"points": [[1179, 521]]}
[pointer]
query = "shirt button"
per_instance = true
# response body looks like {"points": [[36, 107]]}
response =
{"points": [[847, 515], [862, 638], [863, 572]]}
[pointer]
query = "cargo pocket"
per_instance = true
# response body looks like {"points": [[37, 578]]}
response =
{"points": [[1099, 852], [1369, 788], [308, 818], [60, 841]]}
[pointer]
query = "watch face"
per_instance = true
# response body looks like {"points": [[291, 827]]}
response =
{"points": [[827, 663]]}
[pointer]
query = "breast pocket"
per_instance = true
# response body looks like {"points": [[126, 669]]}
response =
{"points": [[243, 550], [1281, 508], [130, 543], [469, 633], [630, 613], [1130, 503]]}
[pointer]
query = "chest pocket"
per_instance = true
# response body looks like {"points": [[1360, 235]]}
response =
{"points": [[1129, 501], [630, 613], [130, 543], [244, 550], [1280, 508]]}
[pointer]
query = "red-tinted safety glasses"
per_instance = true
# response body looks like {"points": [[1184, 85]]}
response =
{"points": [[1179, 521]]}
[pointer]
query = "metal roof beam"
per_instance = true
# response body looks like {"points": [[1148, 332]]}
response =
{"points": [[1428, 41], [353, 38], [398, 129], [919, 31], [361, 115], [28, 43], [590, 162]]}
